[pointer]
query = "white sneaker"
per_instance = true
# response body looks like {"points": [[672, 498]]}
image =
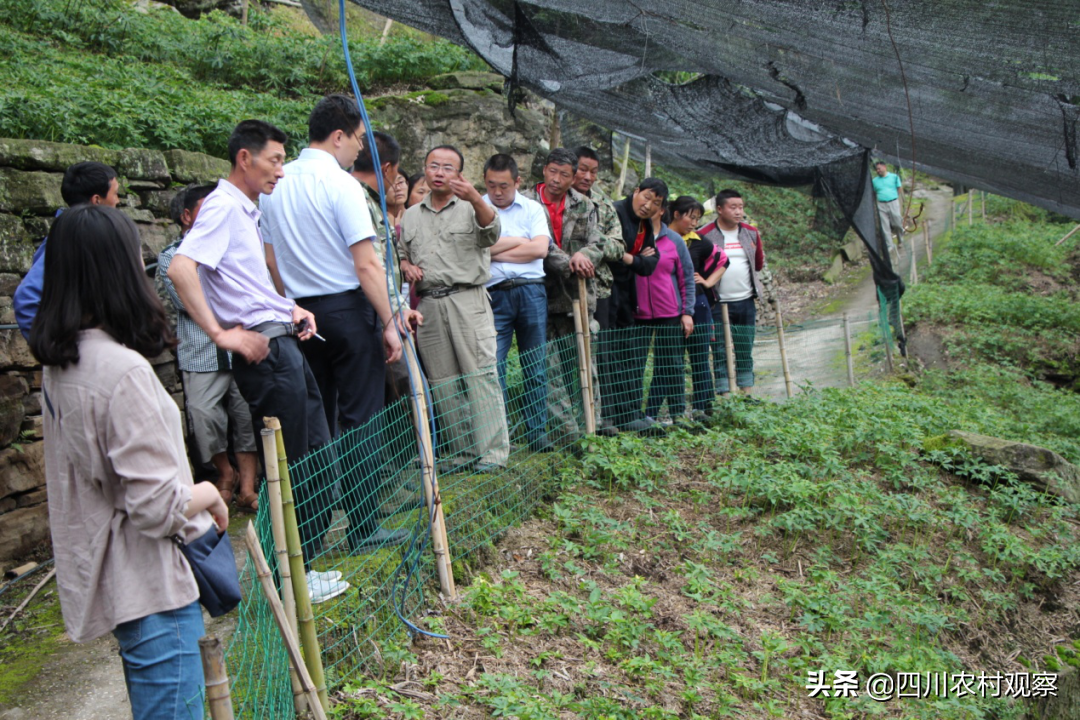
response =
{"points": [[322, 590], [329, 575]]}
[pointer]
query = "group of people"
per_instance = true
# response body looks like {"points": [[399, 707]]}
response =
{"points": [[283, 309]]}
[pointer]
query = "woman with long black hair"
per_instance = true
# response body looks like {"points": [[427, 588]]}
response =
{"points": [[119, 484]]}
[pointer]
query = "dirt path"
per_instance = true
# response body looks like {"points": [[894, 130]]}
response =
{"points": [[815, 347]]}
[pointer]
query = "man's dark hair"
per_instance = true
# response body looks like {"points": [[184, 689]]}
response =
{"points": [[724, 195], [84, 180], [584, 151], [881, 162], [389, 152], [96, 279], [452, 149], [252, 135], [187, 199], [658, 186], [501, 163], [333, 112], [684, 205], [562, 156]]}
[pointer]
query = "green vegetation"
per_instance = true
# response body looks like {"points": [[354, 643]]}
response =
{"points": [[28, 642], [102, 72]]}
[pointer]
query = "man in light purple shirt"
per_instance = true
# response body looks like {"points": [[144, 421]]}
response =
{"points": [[220, 273]]}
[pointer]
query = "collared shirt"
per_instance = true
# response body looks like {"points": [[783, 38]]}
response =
{"points": [[885, 186], [397, 300], [225, 241], [196, 352], [118, 481], [555, 212], [315, 214], [449, 245], [523, 218]]}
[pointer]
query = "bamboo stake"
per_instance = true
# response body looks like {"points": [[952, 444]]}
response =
{"points": [[28, 598], [971, 205], [625, 166], [281, 550], [1067, 235], [982, 197], [783, 350], [913, 262], [440, 544], [586, 392], [926, 239], [583, 293], [243, 12], [555, 132], [729, 350], [386, 31], [953, 213], [216, 679], [266, 579], [848, 353], [648, 159], [309, 636]]}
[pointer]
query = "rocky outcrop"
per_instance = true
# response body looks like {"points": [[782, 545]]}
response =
{"points": [[1042, 468]]}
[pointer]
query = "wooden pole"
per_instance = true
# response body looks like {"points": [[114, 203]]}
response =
{"points": [[281, 550], [926, 239], [729, 349], [982, 197], [648, 159], [243, 12], [622, 171], [266, 579], [783, 350], [309, 636], [1067, 235], [953, 226], [386, 31], [216, 679], [848, 353], [583, 293], [555, 133], [586, 392], [971, 205], [913, 261], [440, 544]]}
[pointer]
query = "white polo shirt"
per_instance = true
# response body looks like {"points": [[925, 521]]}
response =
{"points": [[523, 218], [315, 214]]}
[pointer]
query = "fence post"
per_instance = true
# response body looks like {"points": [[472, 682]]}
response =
{"points": [[847, 352], [625, 166], [243, 12], [309, 636], [216, 679], [982, 197], [913, 261], [783, 350], [586, 321], [266, 579], [440, 544], [927, 234], [971, 205], [953, 213], [584, 369], [729, 349], [648, 159], [281, 550]]}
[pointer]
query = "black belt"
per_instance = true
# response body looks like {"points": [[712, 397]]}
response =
{"points": [[515, 282], [441, 291], [275, 329], [305, 301]]}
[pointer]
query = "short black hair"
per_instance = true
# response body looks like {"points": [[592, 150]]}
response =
{"points": [[881, 162], [724, 195], [501, 163], [684, 205], [96, 279], [252, 135], [389, 152], [333, 112], [584, 151], [658, 186], [187, 199], [84, 180], [561, 156], [450, 148]]}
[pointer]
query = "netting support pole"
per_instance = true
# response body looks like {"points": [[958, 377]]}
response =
{"points": [[217, 680], [623, 169], [309, 636], [281, 550], [953, 213], [729, 350], [848, 353], [971, 205], [440, 544], [783, 349], [266, 580], [243, 12], [1067, 235], [982, 198], [648, 159], [586, 375], [926, 239], [913, 261], [555, 132], [586, 321]]}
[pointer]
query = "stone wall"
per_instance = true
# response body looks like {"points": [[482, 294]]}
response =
{"points": [[30, 176]]}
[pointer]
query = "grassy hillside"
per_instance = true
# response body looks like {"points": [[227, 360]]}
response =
{"points": [[102, 72]]}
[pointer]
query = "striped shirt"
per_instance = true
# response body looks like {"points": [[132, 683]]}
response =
{"points": [[197, 352]]}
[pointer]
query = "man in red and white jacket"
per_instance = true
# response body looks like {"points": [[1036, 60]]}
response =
{"points": [[738, 288]]}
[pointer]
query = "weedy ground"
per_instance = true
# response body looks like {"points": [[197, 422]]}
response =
{"points": [[704, 575]]}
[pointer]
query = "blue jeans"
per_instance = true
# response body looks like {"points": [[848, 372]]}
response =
{"points": [[742, 314], [522, 310], [162, 665]]}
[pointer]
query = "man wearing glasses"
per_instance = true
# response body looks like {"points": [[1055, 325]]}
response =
{"points": [[446, 239]]}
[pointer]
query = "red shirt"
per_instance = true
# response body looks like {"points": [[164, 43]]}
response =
{"points": [[555, 212]]}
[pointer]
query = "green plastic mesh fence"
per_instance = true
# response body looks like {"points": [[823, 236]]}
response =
{"points": [[498, 455]]}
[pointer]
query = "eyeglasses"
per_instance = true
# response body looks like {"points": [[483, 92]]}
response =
{"points": [[435, 167]]}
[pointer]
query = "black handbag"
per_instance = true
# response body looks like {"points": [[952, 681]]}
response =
{"points": [[214, 567]]}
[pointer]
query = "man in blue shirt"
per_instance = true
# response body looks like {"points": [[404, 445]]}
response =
{"points": [[85, 182], [889, 191], [516, 288]]}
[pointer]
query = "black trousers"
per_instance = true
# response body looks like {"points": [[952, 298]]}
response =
{"points": [[620, 384], [350, 370], [668, 380], [283, 386]]}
